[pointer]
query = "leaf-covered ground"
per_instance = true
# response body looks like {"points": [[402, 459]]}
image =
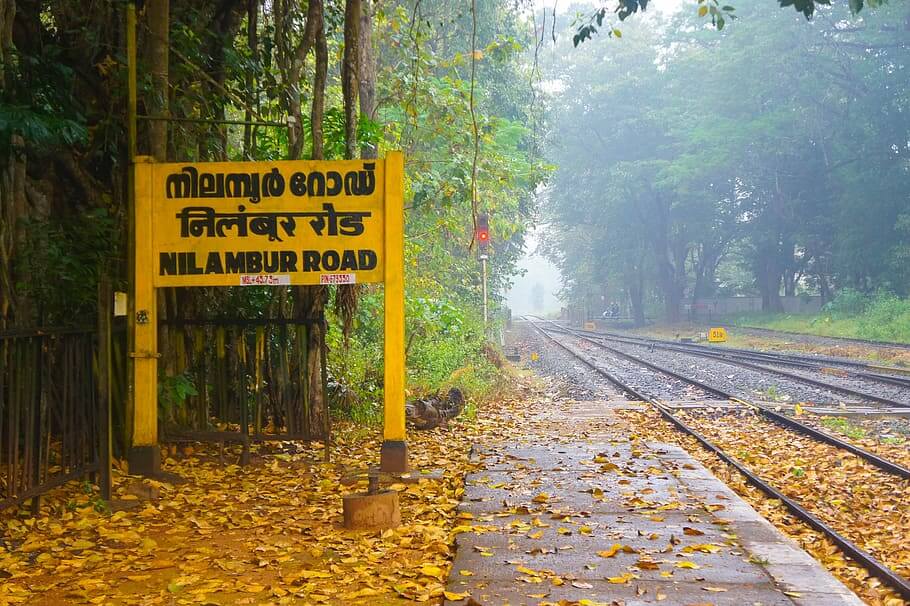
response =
{"points": [[888, 437], [268, 533], [864, 504]]}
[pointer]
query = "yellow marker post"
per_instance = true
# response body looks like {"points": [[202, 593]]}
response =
{"points": [[144, 455], [394, 453], [717, 335]]}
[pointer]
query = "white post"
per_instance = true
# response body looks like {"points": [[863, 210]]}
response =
{"points": [[483, 264]]}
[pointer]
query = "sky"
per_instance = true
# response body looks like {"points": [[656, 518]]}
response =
{"points": [[537, 270]]}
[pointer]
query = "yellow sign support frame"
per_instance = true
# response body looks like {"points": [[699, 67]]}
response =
{"points": [[144, 455], [394, 452]]}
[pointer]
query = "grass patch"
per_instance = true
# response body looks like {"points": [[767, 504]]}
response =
{"points": [[879, 317], [844, 427]]}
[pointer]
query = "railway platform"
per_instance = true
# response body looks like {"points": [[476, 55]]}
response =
{"points": [[577, 511]]}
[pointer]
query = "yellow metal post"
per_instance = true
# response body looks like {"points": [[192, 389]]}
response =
{"points": [[144, 456], [394, 453]]}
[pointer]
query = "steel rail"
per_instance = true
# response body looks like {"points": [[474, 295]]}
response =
{"points": [[757, 367], [878, 569], [874, 459]]}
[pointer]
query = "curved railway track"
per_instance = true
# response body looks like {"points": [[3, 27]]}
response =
{"points": [[875, 567]]}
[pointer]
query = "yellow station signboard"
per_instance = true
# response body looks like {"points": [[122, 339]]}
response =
{"points": [[264, 223]]}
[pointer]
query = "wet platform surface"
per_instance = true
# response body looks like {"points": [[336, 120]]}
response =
{"points": [[600, 518]]}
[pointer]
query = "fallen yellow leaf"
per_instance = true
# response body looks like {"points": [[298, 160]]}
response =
{"points": [[455, 597]]}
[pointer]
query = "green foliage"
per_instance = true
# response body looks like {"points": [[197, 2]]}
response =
{"points": [[693, 164], [887, 318], [38, 128], [773, 393], [37, 105], [718, 13], [368, 131], [173, 392], [59, 264], [843, 426], [882, 317], [446, 348], [848, 302]]}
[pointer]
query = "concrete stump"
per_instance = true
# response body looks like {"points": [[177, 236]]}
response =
{"points": [[365, 511]]}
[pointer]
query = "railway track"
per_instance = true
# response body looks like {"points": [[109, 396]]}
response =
{"points": [[749, 359], [873, 343], [818, 363], [867, 560], [813, 362], [881, 463]]}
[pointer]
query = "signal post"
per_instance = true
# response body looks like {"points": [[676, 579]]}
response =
{"points": [[483, 243]]}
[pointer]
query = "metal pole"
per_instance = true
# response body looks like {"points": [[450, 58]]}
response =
{"points": [[483, 264], [105, 296], [132, 148]]}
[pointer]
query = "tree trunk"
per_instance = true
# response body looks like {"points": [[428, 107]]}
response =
{"points": [[367, 74], [705, 262], [221, 31], [347, 294], [252, 42], [310, 301], [671, 288], [672, 299], [13, 209], [158, 13], [349, 75], [636, 297], [7, 16], [824, 288], [12, 183], [322, 66], [769, 285]]}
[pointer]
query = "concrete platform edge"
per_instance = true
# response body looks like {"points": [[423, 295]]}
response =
{"points": [[807, 582]]}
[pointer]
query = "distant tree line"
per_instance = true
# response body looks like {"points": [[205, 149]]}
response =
{"points": [[770, 158]]}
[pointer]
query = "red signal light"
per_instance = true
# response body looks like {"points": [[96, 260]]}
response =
{"points": [[483, 231]]}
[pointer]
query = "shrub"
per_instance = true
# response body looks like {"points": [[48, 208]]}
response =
{"points": [[848, 302], [445, 348], [887, 318]]}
